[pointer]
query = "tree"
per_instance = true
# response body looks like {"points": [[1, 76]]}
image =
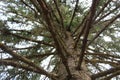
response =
{"points": [[60, 39]]}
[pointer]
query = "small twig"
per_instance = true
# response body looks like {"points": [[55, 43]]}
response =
{"points": [[29, 6], [112, 75], [76, 6], [61, 18], [106, 26], [102, 9], [104, 73], [80, 25], [107, 14]]}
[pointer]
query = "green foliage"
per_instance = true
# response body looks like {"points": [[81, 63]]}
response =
{"points": [[27, 33]]}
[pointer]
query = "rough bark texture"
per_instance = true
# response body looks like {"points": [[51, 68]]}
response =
{"points": [[72, 60], [76, 74]]}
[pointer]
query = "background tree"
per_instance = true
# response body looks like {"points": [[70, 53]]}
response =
{"points": [[60, 39]]}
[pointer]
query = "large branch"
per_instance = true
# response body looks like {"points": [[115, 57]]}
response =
{"points": [[25, 60], [54, 32], [88, 25], [81, 32], [18, 65]]}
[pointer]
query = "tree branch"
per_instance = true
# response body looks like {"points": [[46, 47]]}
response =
{"points": [[25, 60], [57, 38], [102, 9], [76, 6], [36, 5], [106, 26], [18, 65], [29, 6], [60, 15], [112, 75], [101, 61], [101, 54], [88, 26], [104, 73], [80, 25], [107, 14], [29, 39], [35, 56]]}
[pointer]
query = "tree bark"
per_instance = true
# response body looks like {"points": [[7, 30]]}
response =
{"points": [[72, 61]]}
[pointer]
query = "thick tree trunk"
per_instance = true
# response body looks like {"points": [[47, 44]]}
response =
{"points": [[72, 60], [76, 74]]}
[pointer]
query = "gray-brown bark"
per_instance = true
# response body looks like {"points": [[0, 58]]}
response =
{"points": [[76, 74], [72, 62]]}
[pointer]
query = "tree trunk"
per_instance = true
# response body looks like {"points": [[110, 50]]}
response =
{"points": [[76, 74], [72, 60]]}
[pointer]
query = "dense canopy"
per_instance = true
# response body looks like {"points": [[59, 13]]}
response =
{"points": [[59, 39]]}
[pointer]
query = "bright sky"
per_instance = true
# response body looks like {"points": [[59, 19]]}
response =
{"points": [[86, 2]]}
